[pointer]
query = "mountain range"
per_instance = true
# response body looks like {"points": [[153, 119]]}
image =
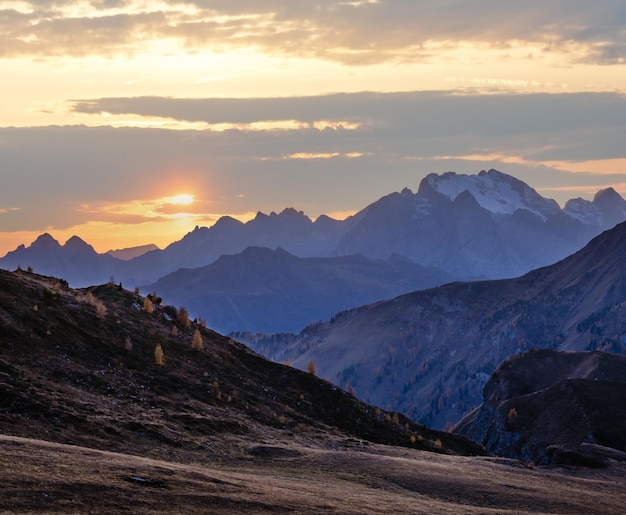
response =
{"points": [[455, 227], [429, 353]]}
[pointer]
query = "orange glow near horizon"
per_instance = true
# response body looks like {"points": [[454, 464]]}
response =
{"points": [[105, 236]]}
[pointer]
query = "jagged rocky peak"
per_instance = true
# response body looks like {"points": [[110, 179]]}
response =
{"points": [[78, 244], [493, 190], [606, 209], [196, 230], [608, 194], [610, 202], [582, 210], [45, 240], [227, 222], [290, 212]]}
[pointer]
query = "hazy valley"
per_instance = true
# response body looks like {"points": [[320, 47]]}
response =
{"points": [[429, 353]]}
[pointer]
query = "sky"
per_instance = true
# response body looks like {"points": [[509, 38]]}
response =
{"points": [[129, 122]]}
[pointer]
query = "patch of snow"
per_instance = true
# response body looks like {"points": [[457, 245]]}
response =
{"points": [[494, 191], [582, 210]]}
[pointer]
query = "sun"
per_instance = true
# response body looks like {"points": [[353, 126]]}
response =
{"points": [[182, 199]]}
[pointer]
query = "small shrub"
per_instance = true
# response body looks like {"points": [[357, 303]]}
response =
{"points": [[148, 307], [183, 317], [197, 342], [155, 298], [49, 296], [311, 368], [512, 418], [88, 298], [101, 310], [350, 389], [159, 357]]}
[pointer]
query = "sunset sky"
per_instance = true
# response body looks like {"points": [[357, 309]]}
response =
{"points": [[129, 122]]}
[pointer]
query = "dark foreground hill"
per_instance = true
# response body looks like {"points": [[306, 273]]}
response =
{"points": [[90, 423], [551, 406], [80, 366]]}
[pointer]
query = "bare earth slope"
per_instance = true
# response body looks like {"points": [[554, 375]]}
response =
{"points": [[40, 476], [79, 367], [90, 423]]}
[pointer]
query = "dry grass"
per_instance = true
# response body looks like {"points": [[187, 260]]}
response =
{"points": [[41, 476]]}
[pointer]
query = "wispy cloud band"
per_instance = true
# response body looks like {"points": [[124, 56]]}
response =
{"points": [[348, 32]]}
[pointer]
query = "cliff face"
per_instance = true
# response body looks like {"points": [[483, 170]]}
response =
{"points": [[548, 406]]}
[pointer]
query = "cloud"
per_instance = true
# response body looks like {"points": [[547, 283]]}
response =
{"points": [[52, 173], [539, 126], [356, 33]]}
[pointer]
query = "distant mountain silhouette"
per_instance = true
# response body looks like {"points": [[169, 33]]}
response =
{"points": [[76, 260], [132, 252], [547, 406], [274, 291], [429, 353], [488, 225], [290, 229]]}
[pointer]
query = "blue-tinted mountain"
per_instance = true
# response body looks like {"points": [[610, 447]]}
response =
{"points": [[429, 353], [291, 230], [264, 290], [488, 225], [129, 253], [76, 260]]}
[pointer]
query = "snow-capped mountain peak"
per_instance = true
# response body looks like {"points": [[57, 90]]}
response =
{"points": [[494, 191]]}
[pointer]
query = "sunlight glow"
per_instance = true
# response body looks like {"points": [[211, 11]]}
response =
{"points": [[182, 199]]}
